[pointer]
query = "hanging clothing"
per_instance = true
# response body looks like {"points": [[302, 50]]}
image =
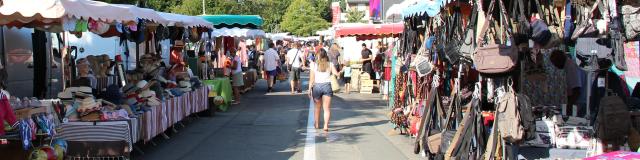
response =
{"points": [[6, 112]]}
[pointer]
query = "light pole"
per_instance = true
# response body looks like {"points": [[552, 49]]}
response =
{"points": [[203, 8]]}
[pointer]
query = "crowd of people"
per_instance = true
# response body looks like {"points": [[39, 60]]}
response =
{"points": [[320, 59]]}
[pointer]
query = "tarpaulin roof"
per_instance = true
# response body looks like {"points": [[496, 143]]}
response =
{"points": [[185, 21], [48, 11], [237, 32], [431, 8], [395, 11], [343, 30], [233, 21]]}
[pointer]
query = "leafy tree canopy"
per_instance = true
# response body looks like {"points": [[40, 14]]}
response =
{"points": [[303, 19]]}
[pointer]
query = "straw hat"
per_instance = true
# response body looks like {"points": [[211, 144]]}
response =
{"points": [[84, 92]]}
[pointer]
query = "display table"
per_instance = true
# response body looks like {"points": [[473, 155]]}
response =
{"points": [[160, 118], [82, 136], [221, 87]]}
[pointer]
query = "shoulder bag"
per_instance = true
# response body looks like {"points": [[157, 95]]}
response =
{"points": [[495, 58]]}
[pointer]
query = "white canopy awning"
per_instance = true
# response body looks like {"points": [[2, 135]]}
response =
{"points": [[185, 21], [48, 11], [395, 11], [144, 13], [237, 32]]}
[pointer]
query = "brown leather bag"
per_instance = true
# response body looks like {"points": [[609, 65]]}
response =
{"points": [[495, 58]]}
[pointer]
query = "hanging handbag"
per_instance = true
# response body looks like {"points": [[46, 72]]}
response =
{"points": [[631, 18], [585, 28], [495, 58], [617, 43], [568, 22], [468, 45]]}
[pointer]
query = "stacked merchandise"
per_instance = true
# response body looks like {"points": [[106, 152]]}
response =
{"points": [[479, 79]]}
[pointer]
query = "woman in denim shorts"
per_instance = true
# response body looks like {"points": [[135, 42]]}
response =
{"points": [[320, 87]]}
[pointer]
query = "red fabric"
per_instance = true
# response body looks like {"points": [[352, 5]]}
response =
{"points": [[369, 29], [6, 114], [176, 56], [387, 73]]}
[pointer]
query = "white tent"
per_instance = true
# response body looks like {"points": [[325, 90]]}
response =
{"points": [[185, 21], [237, 32], [395, 11], [48, 11]]}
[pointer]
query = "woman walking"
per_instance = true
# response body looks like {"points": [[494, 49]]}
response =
{"points": [[320, 87]]}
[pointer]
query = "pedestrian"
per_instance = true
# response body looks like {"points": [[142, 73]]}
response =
{"points": [[294, 61], [320, 87], [367, 67], [236, 76], [271, 59], [574, 77], [346, 72]]}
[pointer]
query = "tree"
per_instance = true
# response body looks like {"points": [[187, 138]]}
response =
{"points": [[303, 19], [355, 16]]}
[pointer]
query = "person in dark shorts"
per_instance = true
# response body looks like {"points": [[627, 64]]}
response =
{"points": [[294, 61], [320, 87]]}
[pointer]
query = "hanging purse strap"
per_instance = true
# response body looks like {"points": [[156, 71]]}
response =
{"points": [[489, 19], [471, 26]]}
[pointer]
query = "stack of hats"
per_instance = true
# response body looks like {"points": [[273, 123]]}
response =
{"points": [[185, 86], [81, 103]]}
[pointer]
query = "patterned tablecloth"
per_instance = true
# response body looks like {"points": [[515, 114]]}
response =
{"points": [[160, 118], [97, 131]]}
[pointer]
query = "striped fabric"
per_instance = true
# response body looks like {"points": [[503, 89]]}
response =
{"points": [[172, 111], [96, 131]]}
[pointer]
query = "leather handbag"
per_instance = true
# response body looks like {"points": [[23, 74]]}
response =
{"points": [[495, 58], [585, 28], [468, 45], [631, 18]]}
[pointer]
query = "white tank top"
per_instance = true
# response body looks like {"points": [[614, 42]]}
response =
{"points": [[321, 77]]}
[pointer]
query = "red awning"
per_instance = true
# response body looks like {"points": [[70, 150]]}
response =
{"points": [[357, 30]]}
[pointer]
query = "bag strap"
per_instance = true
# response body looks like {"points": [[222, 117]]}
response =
{"points": [[489, 19], [471, 26]]}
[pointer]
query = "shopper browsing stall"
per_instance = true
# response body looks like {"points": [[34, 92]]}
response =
{"points": [[237, 77], [367, 66]]}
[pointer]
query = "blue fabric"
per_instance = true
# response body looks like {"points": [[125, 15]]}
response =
{"points": [[430, 8], [321, 89]]}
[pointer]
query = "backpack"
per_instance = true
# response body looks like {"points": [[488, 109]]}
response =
{"points": [[613, 119], [526, 117], [509, 117]]}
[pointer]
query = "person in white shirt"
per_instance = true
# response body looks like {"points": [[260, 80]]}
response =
{"points": [[236, 74], [294, 61], [271, 60], [320, 87]]}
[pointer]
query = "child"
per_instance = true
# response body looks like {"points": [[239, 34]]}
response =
{"points": [[347, 76]]}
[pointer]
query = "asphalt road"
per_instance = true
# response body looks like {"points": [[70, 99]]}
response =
{"points": [[274, 126]]}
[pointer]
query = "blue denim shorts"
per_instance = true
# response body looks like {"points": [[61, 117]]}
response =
{"points": [[321, 89]]}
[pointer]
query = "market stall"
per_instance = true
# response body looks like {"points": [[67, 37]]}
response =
{"points": [[488, 79], [233, 34], [105, 109], [360, 81]]}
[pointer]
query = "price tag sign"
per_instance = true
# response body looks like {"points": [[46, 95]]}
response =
{"points": [[601, 82]]}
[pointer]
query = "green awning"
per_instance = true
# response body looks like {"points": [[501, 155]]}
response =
{"points": [[231, 21]]}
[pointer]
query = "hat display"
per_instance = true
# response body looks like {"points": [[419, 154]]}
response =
{"points": [[88, 105], [69, 24], [185, 86], [84, 92]]}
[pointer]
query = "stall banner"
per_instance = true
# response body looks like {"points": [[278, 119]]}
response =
{"points": [[616, 155], [335, 13]]}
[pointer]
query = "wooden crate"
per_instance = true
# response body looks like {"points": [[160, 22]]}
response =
{"points": [[366, 86]]}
